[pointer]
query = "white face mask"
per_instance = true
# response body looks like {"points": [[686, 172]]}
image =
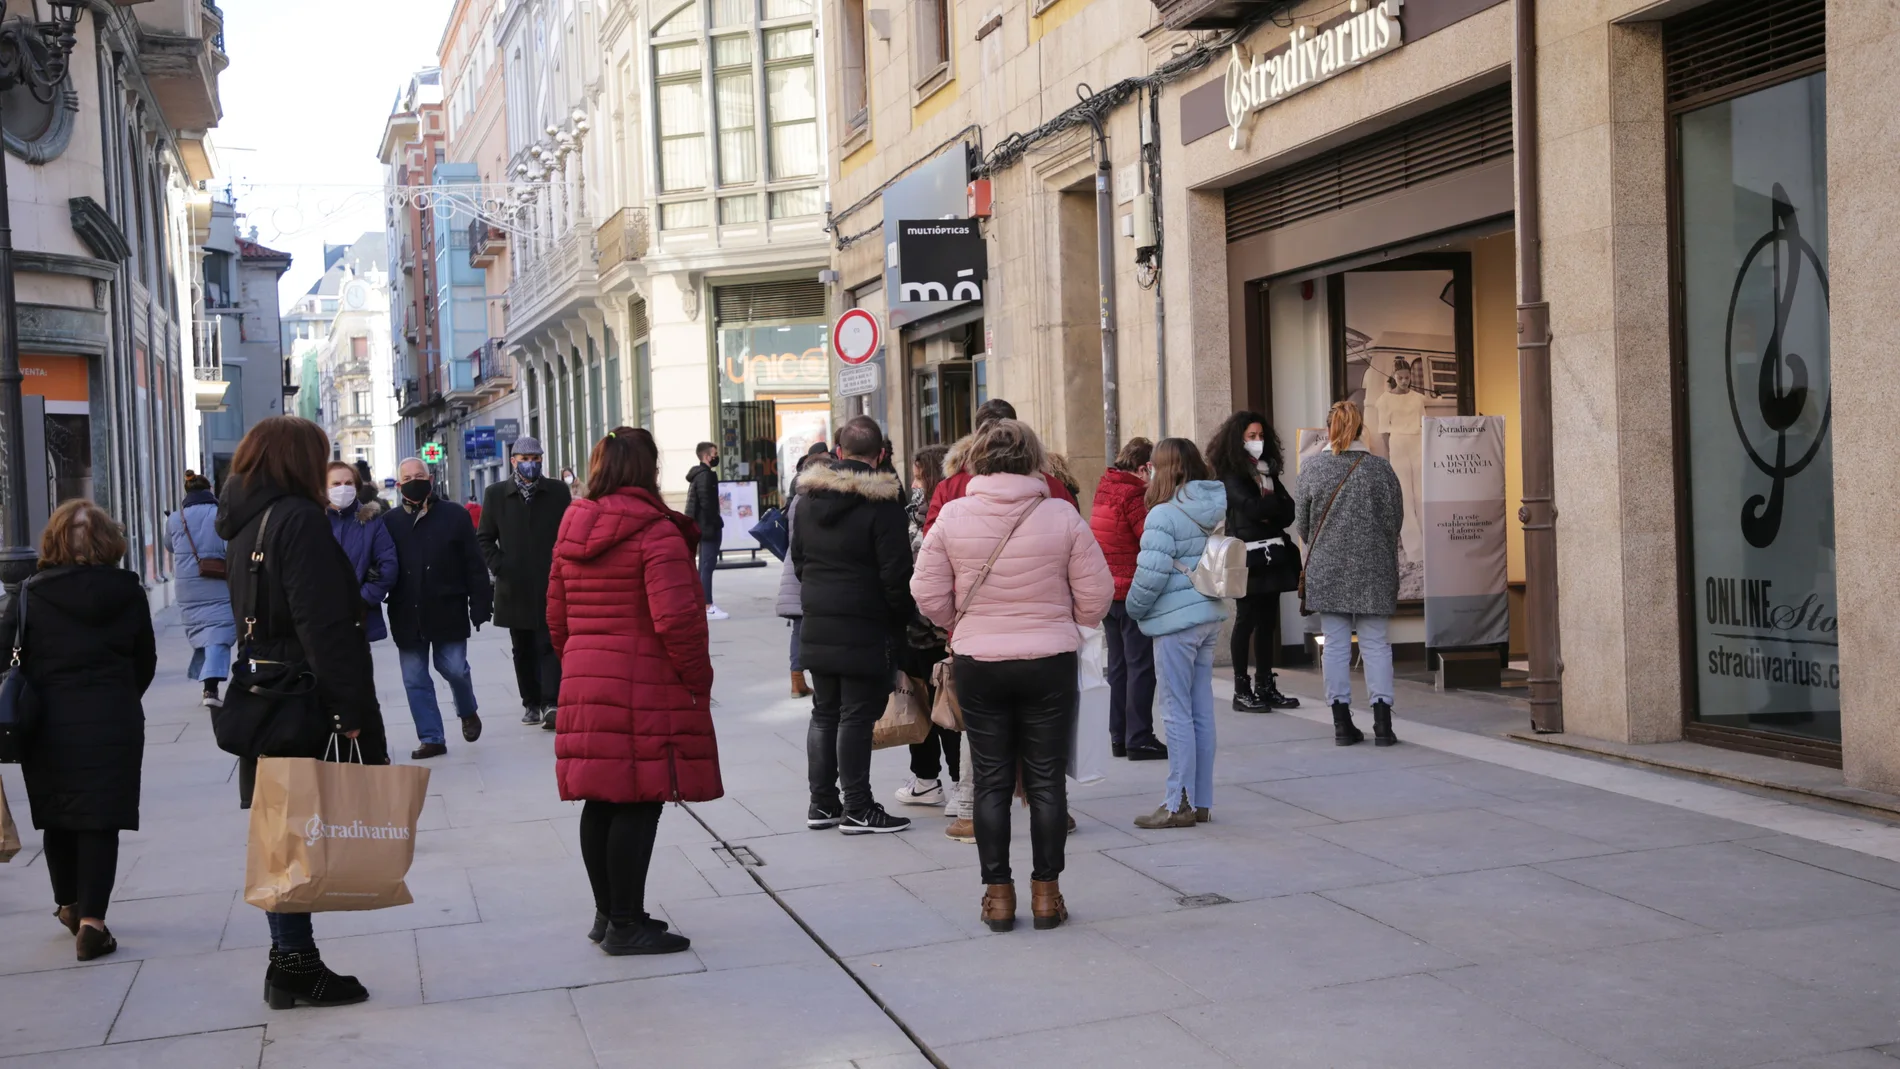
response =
{"points": [[342, 497], [1255, 448]]}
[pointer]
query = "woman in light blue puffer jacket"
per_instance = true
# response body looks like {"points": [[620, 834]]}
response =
{"points": [[1185, 504]]}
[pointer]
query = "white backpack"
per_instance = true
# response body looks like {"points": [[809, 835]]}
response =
{"points": [[1222, 570]]}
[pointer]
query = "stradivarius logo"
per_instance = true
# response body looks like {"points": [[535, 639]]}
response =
{"points": [[315, 829]]}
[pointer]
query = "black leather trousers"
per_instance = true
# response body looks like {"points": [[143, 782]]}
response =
{"points": [[1019, 714]]}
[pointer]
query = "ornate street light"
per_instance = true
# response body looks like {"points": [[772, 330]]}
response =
{"points": [[33, 54]]}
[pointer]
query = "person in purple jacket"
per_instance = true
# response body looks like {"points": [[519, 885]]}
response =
{"points": [[359, 530]]}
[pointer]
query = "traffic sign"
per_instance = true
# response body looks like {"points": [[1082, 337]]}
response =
{"points": [[856, 336], [432, 452], [857, 380]]}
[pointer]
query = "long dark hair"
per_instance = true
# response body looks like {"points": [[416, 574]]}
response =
{"points": [[287, 451], [1227, 450], [626, 457], [930, 458]]}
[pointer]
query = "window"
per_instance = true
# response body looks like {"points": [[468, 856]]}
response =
{"points": [[794, 202], [359, 403], [735, 99], [791, 101], [740, 209], [683, 215], [780, 9], [613, 382], [682, 106], [930, 43], [853, 89], [359, 347], [730, 13], [682, 20]]}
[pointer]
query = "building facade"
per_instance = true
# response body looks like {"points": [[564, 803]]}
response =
{"points": [[102, 186], [1312, 202], [242, 323], [413, 143]]}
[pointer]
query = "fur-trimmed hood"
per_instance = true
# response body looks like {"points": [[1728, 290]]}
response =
{"points": [[834, 492]]}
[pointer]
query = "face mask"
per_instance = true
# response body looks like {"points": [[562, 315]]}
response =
{"points": [[416, 491], [528, 469], [1255, 448], [342, 497]]}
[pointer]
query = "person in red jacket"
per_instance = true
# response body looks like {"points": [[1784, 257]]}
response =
{"points": [[1117, 516], [956, 479], [635, 727], [474, 507]]}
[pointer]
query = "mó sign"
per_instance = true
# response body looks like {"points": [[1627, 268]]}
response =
{"points": [[1309, 58]]}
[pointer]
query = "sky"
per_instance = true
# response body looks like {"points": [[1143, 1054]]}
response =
{"points": [[310, 85]]}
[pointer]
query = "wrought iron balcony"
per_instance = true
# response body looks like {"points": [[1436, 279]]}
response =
{"points": [[485, 244], [494, 370]]}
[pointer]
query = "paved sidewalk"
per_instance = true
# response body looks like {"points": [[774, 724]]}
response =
{"points": [[1457, 901]]}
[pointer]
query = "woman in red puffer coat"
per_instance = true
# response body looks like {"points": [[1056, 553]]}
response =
{"points": [[1117, 517], [635, 723]]}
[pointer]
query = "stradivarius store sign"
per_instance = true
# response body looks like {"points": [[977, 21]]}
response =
{"points": [[1310, 56]]}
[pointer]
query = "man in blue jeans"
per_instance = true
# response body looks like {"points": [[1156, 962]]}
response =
{"points": [[702, 507], [441, 590]]}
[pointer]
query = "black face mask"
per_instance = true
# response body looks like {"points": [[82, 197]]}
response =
{"points": [[416, 491]]}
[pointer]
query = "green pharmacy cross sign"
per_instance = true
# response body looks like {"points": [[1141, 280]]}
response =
{"points": [[432, 453]]}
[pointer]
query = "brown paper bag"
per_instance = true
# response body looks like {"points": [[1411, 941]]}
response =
{"points": [[9, 833], [906, 719], [329, 836]]}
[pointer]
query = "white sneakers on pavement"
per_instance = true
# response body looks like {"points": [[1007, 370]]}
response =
{"points": [[920, 792], [714, 612]]}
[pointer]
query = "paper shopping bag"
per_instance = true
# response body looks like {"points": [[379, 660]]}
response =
{"points": [[330, 836], [9, 833], [1088, 734], [906, 719]]}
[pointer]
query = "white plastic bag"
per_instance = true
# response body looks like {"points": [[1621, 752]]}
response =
{"points": [[1088, 729]]}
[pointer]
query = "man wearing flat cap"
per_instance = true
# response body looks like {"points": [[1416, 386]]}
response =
{"points": [[520, 519]]}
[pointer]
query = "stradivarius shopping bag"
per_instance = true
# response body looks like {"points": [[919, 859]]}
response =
{"points": [[332, 835]]}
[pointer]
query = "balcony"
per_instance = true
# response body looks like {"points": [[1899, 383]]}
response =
{"points": [[353, 369], [485, 244], [564, 274], [409, 399], [355, 421], [622, 239], [459, 376], [495, 372], [181, 51], [1213, 14], [207, 366]]}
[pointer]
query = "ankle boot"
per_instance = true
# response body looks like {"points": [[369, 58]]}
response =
{"points": [[1245, 700], [1382, 725], [1270, 694], [999, 906], [799, 687], [1344, 733], [301, 976], [1046, 905]]}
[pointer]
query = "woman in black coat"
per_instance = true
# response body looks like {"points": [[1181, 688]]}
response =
{"points": [[89, 655], [1245, 455], [304, 598]]}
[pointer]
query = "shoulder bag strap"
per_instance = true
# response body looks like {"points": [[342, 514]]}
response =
{"points": [[1328, 510], [19, 623], [185, 522], [257, 577], [970, 597]]}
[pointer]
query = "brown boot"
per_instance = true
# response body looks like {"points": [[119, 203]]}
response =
{"points": [[1045, 904], [799, 688], [999, 906]]}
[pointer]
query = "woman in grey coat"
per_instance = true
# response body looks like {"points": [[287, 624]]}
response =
{"points": [[1349, 511], [790, 606], [204, 602]]}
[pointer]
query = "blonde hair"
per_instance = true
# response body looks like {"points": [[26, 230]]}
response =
{"points": [[81, 533], [1177, 461], [1006, 447], [1343, 425]]}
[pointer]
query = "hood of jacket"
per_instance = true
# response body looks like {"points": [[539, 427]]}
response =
{"points": [[957, 454], [1008, 489], [244, 500], [1204, 500], [696, 471], [1123, 480], [94, 595], [593, 526], [832, 492]]}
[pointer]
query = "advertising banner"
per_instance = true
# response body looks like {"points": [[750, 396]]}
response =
{"points": [[941, 259], [1466, 603], [739, 507]]}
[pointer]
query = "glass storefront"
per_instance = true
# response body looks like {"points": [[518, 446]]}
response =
{"points": [[1752, 254], [774, 401]]}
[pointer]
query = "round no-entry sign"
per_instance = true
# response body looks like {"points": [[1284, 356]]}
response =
{"points": [[856, 336]]}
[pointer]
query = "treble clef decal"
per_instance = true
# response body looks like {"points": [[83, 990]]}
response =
{"points": [[1781, 396]]}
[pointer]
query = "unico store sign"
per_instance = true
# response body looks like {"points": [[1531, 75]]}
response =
{"points": [[941, 260], [1310, 57]]}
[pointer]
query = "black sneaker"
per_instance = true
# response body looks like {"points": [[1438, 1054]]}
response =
{"points": [[599, 930], [547, 719], [531, 714], [1156, 752], [824, 815], [873, 821], [471, 728], [624, 939]]}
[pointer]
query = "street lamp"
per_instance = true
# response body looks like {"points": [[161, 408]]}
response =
{"points": [[33, 54]]}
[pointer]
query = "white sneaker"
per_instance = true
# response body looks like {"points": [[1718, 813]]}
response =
{"points": [[953, 801], [913, 792], [714, 612]]}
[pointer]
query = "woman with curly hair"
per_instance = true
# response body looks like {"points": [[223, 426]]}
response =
{"points": [[1245, 456]]}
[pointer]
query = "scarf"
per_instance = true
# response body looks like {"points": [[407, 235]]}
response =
{"points": [[199, 497], [526, 486]]}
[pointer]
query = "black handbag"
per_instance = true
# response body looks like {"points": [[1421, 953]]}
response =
{"points": [[19, 705], [270, 707]]}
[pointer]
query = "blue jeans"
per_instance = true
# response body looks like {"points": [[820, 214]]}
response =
{"points": [[1184, 664], [708, 560], [291, 931], [211, 662], [451, 659], [1375, 656]]}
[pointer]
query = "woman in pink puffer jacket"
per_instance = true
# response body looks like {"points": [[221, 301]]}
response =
{"points": [[1013, 641]]}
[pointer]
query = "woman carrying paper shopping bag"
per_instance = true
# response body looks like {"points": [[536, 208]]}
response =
{"points": [[635, 728], [297, 602], [90, 655], [1185, 504], [1010, 573]]}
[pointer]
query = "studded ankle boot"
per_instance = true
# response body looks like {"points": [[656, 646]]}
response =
{"points": [[300, 976]]}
